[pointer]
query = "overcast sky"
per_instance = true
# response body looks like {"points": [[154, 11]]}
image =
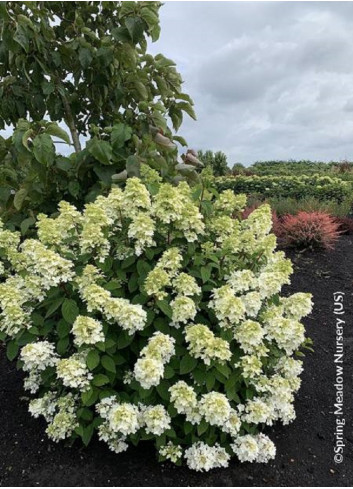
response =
{"points": [[270, 80]]}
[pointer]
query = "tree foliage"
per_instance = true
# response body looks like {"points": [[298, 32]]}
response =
{"points": [[84, 65], [216, 161]]}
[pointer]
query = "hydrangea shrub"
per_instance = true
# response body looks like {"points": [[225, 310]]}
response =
{"points": [[155, 314]]}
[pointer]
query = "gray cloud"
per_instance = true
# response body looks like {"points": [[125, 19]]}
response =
{"points": [[269, 80]]}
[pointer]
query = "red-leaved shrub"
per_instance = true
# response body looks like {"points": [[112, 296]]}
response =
{"points": [[308, 230], [345, 225]]}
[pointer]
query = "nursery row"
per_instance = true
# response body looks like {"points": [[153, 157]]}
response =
{"points": [[309, 204], [320, 187], [342, 169]]}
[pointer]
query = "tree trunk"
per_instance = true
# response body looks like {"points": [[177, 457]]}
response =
{"points": [[71, 125]]}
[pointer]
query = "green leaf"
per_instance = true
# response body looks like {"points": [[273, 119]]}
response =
{"points": [[12, 350], [119, 359], [25, 137], [165, 308], [106, 265], [112, 285], [186, 97], [149, 16], [171, 433], [150, 317], [100, 150], [162, 389], [233, 396], [92, 359], [202, 427], [87, 434], [26, 224], [85, 413], [172, 411], [133, 283], [188, 427], [22, 36], [149, 252], [105, 173], [43, 149], [127, 8], [141, 90], [224, 370], [139, 299], [168, 372], [37, 319], [135, 27], [62, 345], [128, 262], [89, 397], [100, 379], [143, 267], [187, 364], [230, 384], [19, 198], [205, 274], [120, 134], [299, 354], [121, 33], [33, 330], [64, 164], [180, 140], [108, 363], [110, 343], [162, 86], [48, 87], [74, 188], [160, 441], [54, 305], [100, 345], [133, 166], [3, 11], [186, 107], [210, 381], [106, 393], [69, 310], [158, 120], [85, 57], [54, 130], [124, 340], [63, 328], [162, 324]]}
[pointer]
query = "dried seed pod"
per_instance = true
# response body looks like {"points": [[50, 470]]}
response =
{"points": [[191, 159], [164, 141]]}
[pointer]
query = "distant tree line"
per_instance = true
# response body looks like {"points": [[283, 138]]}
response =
{"points": [[217, 162]]}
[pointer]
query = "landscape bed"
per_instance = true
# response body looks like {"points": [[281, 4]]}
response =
{"points": [[304, 448], [298, 187]]}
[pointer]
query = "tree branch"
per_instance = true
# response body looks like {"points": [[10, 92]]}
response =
{"points": [[71, 124]]}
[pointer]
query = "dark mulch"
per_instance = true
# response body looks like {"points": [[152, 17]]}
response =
{"points": [[304, 448]]}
